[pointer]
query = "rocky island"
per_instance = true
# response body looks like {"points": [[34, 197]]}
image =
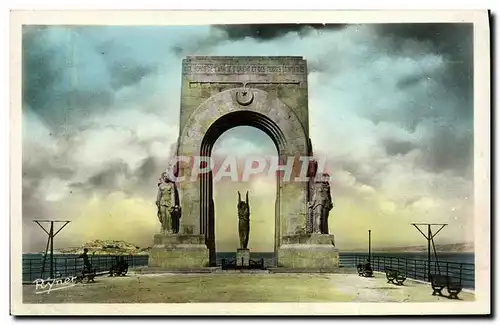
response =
{"points": [[105, 247]]}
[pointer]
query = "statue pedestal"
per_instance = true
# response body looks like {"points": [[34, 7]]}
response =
{"points": [[179, 251], [312, 251], [243, 257]]}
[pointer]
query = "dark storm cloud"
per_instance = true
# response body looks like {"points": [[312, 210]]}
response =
{"points": [[149, 169], [43, 74], [145, 177], [38, 164], [34, 207], [453, 41], [59, 81], [108, 177], [118, 176], [446, 37], [46, 168], [450, 149], [410, 81], [395, 147], [127, 73], [198, 45], [272, 31], [449, 96], [124, 71]]}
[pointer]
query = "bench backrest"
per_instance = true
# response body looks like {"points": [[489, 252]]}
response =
{"points": [[440, 279]]}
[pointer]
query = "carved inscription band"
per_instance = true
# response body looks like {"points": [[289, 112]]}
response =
{"points": [[241, 69]]}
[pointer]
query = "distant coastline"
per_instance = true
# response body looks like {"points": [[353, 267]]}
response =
{"points": [[120, 247], [443, 248]]}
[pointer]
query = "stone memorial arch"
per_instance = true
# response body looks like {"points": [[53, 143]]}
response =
{"points": [[219, 93]]}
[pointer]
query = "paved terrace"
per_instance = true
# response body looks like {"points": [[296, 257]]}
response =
{"points": [[240, 287]]}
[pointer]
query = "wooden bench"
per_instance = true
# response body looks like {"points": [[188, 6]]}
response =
{"points": [[228, 264], [395, 276], [359, 268], [257, 264], [439, 282], [364, 270], [454, 288], [86, 275], [119, 269]]}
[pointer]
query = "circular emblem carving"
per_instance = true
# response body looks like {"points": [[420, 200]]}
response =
{"points": [[244, 97]]}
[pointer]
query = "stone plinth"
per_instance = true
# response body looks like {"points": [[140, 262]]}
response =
{"points": [[314, 252], [243, 257], [174, 251]]}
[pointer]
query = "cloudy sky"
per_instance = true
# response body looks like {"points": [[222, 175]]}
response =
{"points": [[391, 107]]}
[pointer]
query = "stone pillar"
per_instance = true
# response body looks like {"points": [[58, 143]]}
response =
{"points": [[190, 204], [293, 208]]}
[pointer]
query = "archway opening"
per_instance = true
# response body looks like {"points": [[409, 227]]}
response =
{"points": [[207, 204], [235, 147]]}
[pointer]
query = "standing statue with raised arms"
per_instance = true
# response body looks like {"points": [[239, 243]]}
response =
{"points": [[244, 221]]}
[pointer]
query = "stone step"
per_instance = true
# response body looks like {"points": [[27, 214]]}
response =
{"points": [[340, 270], [242, 271], [160, 270]]}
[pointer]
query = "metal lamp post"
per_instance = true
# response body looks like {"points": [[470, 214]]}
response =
{"points": [[369, 246]]}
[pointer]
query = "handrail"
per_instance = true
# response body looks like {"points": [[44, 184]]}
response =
{"points": [[415, 268], [68, 265]]}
